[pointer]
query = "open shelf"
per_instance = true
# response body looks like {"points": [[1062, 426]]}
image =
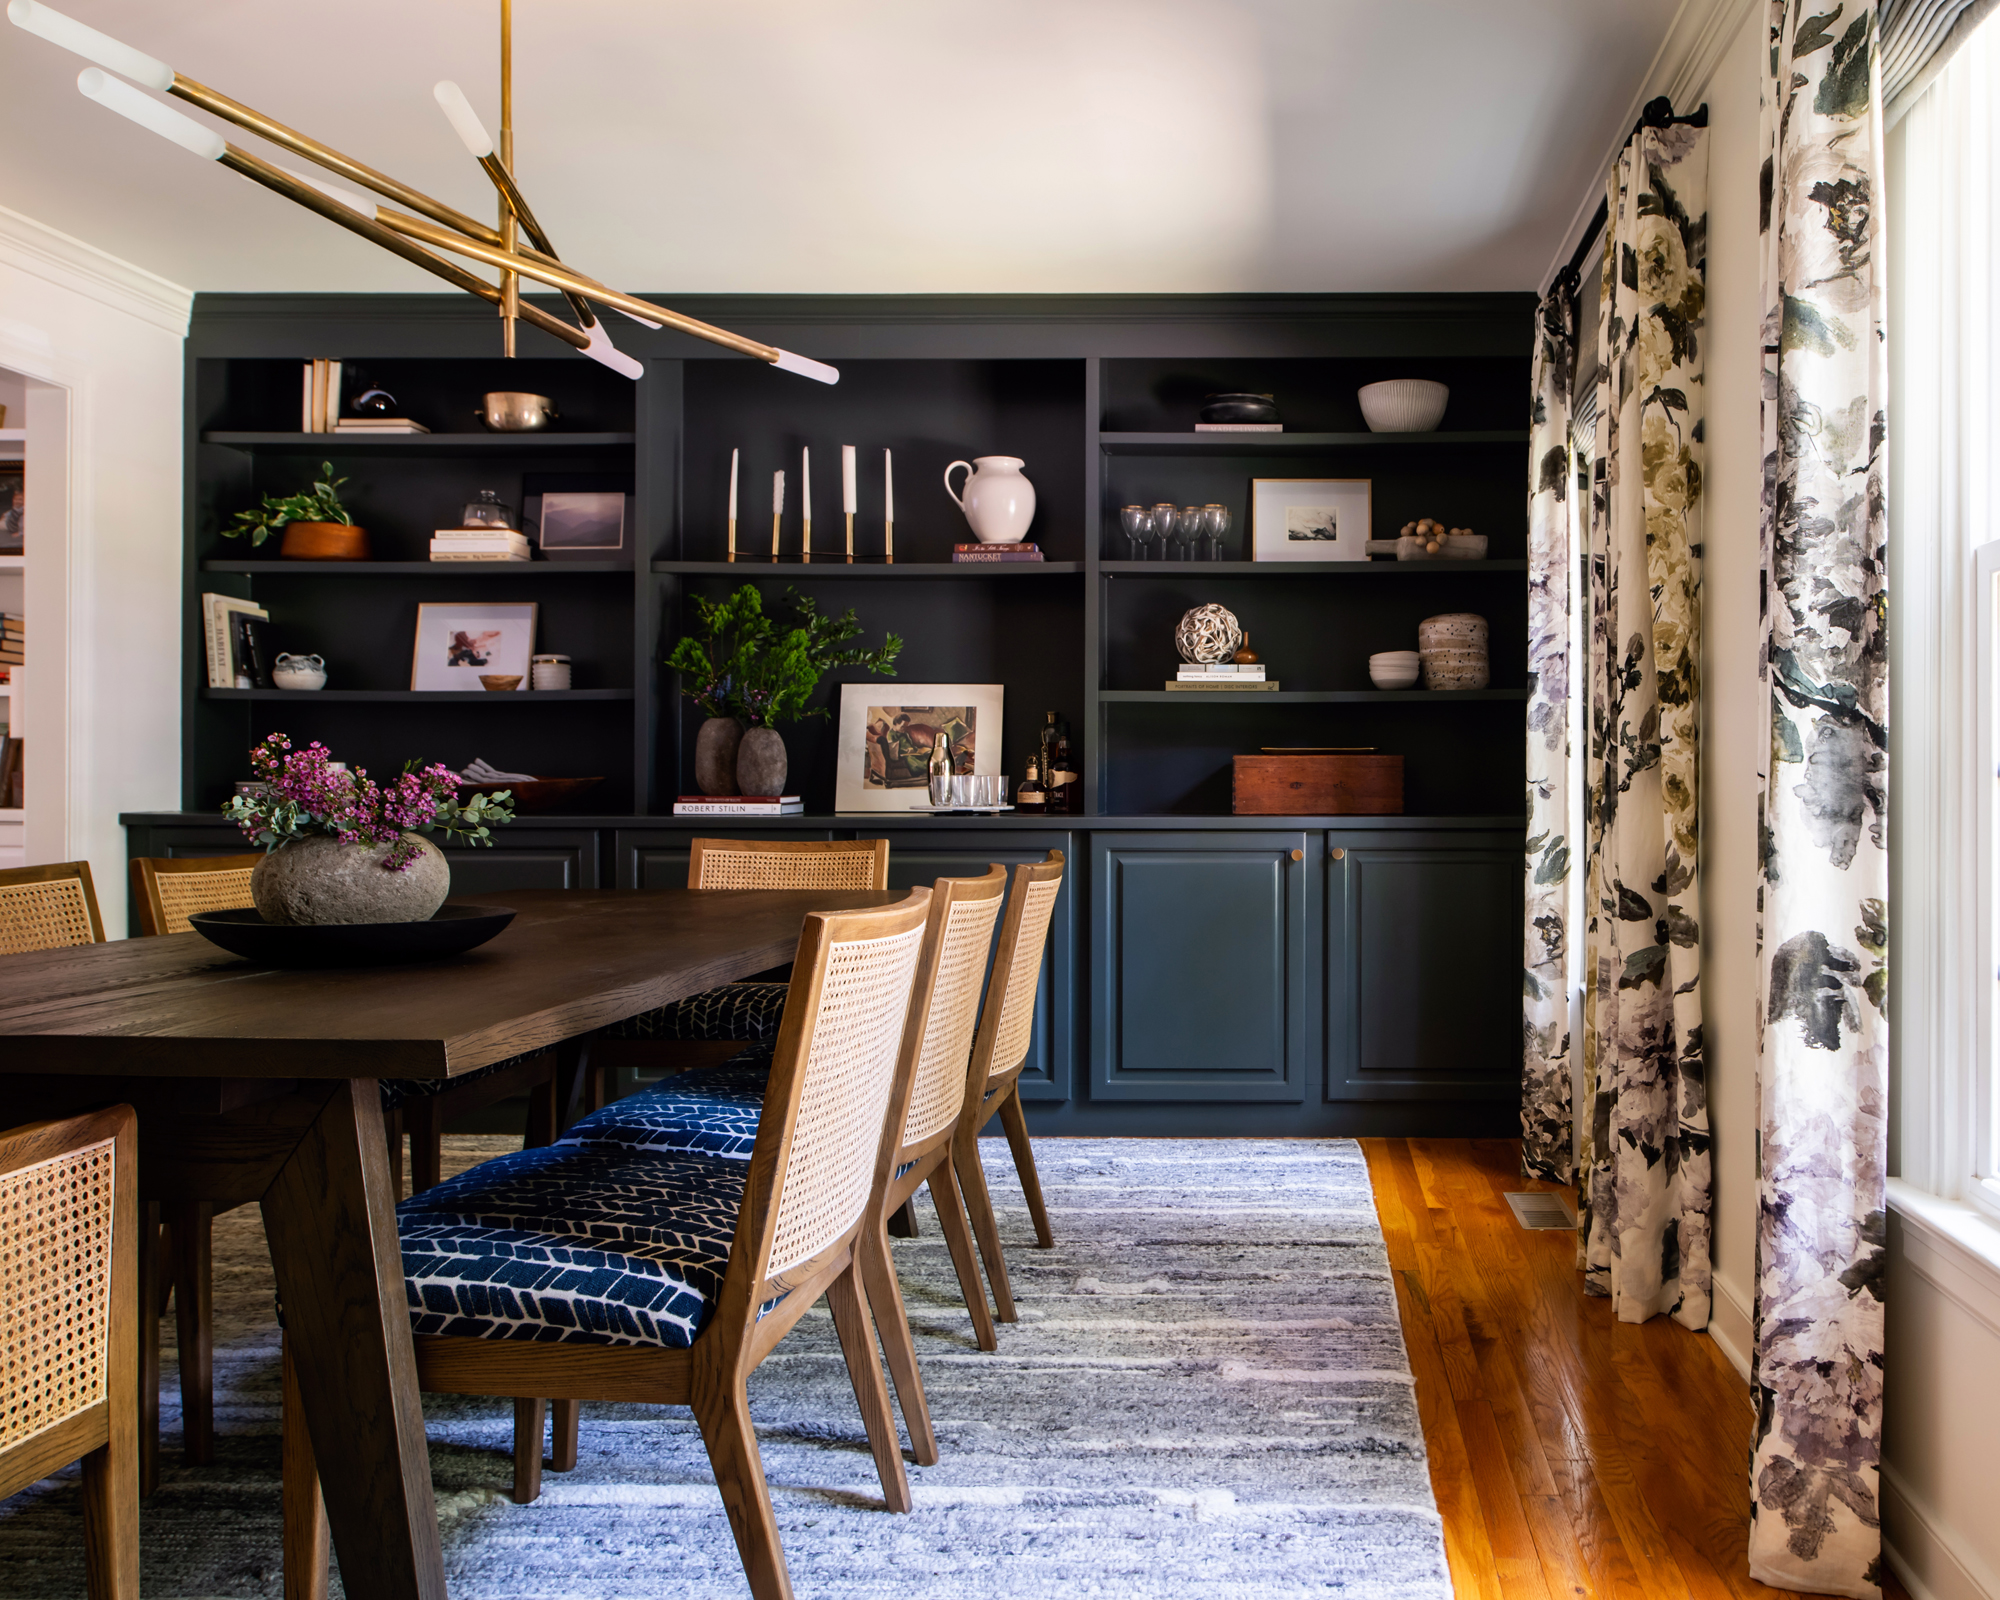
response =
{"points": [[835, 567], [1281, 444], [478, 697], [1306, 569], [418, 569], [1237, 698], [424, 444]]}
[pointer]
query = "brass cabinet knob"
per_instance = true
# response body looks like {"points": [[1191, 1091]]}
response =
{"points": [[1298, 855], [1337, 853]]}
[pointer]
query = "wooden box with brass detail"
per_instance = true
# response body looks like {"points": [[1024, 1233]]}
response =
{"points": [[1348, 785]]}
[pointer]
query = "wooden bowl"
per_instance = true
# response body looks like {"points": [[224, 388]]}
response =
{"points": [[500, 681], [324, 541], [537, 794]]}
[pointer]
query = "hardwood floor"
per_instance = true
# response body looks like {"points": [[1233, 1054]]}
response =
{"points": [[1571, 1454]]}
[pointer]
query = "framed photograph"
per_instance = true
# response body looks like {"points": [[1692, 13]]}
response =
{"points": [[888, 729], [587, 524], [13, 507], [1309, 519], [459, 643]]}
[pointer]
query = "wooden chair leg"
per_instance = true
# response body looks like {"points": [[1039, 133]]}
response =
{"points": [[308, 1544], [1015, 1121], [527, 1451], [565, 1417], [864, 1371], [892, 1323], [154, 1282], [979, 1206], [426, 1129], [958, 1238], [111, 1524], [193, 1229], [903, 1220], [722, 1412]]}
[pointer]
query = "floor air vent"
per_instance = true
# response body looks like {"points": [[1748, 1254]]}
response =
{"points": [[1543, 1208]]}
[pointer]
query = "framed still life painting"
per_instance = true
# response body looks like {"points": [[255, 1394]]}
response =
{"points": [[1309, 519], [887, 732], [458, 644]]}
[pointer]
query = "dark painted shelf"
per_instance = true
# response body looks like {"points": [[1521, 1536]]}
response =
{"points": [[1288, 444], [1236, 698], [421, 569], [541, 697], [875, 821], [426, 444], [834, 567], [1304, 569]]}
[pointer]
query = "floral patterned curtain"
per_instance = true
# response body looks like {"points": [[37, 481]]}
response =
{"points": [[1547, 1139], [1823, 1071], [1643, 1183]]}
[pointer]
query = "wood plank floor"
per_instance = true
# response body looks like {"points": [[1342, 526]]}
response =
{"points": [[1571, 1454]]}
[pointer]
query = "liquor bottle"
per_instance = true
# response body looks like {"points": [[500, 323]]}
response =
{"points": [[1066, 792], [1029, 796]]}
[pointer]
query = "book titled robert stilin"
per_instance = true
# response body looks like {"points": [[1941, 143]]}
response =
{"points": [[739, 805]]}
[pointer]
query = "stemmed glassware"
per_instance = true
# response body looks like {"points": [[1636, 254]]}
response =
{"points": [[1187, 528], [1214, 528], [1165, 515], [1137, 522]]}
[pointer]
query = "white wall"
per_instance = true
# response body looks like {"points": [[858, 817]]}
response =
{"points": [[99, 342]]}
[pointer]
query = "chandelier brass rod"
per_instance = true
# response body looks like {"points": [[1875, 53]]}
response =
{"points": [[510, 227], [282, 182], [324, 155], [561, 277], [503, 180]]}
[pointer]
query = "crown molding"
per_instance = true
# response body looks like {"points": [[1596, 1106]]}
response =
{"points": [[84, 269], [1696, 40]]}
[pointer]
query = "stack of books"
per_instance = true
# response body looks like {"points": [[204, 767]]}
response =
{"points": [[1221, 675], [319, 399], [739, 805], [378, 425], [1239, 427], [479, 544], [231, 663], [13, 640], [972, 554]]}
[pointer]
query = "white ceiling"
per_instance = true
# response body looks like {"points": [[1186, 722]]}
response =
{"points": [[879, 146]]}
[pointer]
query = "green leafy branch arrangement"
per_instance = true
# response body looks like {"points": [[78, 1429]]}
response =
{"points": [[745, 663], [320, 503]]}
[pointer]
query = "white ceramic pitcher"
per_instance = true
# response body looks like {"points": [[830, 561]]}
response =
{"points": [[999, 502]]}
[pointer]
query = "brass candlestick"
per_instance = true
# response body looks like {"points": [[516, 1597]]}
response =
{"points": [[732, 538], [889, 541], [850, 536], [806, 540], [776, 518]]}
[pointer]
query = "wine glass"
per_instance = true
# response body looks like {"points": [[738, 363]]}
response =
{"points": [[1137, 522], [1165, 514], [1187, 528], [1214, 528]]}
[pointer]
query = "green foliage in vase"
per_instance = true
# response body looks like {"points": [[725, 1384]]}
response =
{"points": [[320, 503], [743, 662]]}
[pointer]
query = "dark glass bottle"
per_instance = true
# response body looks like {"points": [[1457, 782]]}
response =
{"points": [[1029, 796], [1067, 795]]}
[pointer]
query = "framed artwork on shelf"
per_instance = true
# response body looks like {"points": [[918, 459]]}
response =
{"points": [[459, 643], [1310, 519], [580, 524], [13, 507], [887, 731]]}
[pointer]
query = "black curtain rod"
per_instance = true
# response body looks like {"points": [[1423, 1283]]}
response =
{"points": [[1659, 113]]}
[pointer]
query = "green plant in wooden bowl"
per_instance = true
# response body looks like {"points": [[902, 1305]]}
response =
{"points": [[745, 667], [316, 526]]}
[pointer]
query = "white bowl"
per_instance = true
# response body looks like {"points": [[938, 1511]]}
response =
{"points": [[1404, 405], [1393, 677], [1388, 658]]}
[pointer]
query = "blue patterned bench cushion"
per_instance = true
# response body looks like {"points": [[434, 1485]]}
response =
{"points": [[572, 1244], [750, 1012], [395, 1091], [710, 1111]]}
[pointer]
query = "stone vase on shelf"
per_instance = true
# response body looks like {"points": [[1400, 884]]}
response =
{"points": [[760, 762], [319, 880], [715, 749]]}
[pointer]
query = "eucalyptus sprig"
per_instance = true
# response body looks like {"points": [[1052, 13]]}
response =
{"points": [[320, 503]]}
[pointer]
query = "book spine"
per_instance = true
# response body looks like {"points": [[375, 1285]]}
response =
{"points": [[1239, 427], [332, 395], [305, 401], [212, 637], [317, 407], [973, 558], [739, 811]]}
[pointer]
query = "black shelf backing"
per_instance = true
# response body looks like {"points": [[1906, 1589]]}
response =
{"points": [[1305, 569], [419, 569], [1236, 698], [423, 444], [1284, 444], [416, 696], [835, 567]]}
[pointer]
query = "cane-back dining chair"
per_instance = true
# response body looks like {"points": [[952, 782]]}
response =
{"points": [[999, 1052], [167, 890], [48, 908], [666, 1278], [68, 1323]]}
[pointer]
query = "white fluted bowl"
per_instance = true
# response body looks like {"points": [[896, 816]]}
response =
{"points": [[1404, 405]]}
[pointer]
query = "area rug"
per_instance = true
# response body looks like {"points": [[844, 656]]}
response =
{"points": [[1207, 1394]]}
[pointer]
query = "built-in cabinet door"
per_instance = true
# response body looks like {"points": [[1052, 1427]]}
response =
{"points": [[1204, 950], [1423, 966], [538, 858], [920, 858]]}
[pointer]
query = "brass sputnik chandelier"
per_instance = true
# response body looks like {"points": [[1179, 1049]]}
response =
{"points": [[417, 239]]}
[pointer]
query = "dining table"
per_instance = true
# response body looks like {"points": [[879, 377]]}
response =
{"points": [[258, 1083]]}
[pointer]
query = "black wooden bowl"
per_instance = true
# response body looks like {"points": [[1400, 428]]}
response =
{"points": [[456, 928]]}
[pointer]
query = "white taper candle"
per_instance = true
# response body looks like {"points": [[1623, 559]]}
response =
{"points": [[777, 494], [732, 483], [806, 484], [888, 488], [847, 500]]}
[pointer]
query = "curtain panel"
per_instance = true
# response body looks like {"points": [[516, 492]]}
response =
{"points": [[1547, 1136], [1643, 1179], [1822, 939]]}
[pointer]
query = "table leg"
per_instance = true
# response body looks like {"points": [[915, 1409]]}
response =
{"points": [[331, 1220]]}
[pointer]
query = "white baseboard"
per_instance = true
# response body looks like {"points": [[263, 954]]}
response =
{"points": [[1729, 1324], [1932, 1561]]}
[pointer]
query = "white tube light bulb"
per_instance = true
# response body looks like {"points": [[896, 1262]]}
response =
{"points": [[819, 370], [87, 42], [115, 94], [463, 119]]}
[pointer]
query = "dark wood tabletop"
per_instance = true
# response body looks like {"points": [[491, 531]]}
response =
{"points": [[571, 960]]}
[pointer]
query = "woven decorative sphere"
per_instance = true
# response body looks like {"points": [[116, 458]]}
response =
{"points": [[1208, 634]]}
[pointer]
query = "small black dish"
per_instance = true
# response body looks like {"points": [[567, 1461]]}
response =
{"points": [[454, 929], [1239, 408]]}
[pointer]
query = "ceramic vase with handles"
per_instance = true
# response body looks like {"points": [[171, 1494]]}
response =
{"points": [[998, 502]]}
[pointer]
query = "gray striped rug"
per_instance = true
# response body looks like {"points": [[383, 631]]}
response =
{"points": [[1206, 1395]]}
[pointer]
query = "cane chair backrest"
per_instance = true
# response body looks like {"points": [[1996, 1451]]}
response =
{"points": [[832, 1077], [789, 864], [166, 891], [1007, 1027], [68, 1280], [48, 908], [937, 1093]]}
